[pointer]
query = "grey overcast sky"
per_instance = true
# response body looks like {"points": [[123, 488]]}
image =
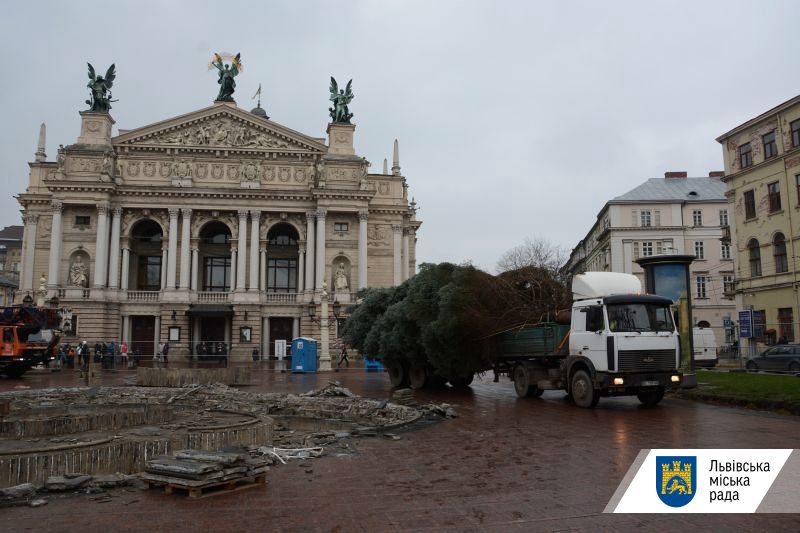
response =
{"points": [[515, 118]]}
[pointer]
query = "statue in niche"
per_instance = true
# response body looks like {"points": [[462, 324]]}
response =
{"points": [[340, 279], [78, 273], [340, 98], [99, 87], [106, 166], [227, 73]]}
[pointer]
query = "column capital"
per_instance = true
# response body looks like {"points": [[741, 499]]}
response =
{"points": [[102, 209], [186, 211], [397, 228], [56, 205], [301, 250], [173, 212], [234, 249], [31, 218], [321, 214], [363, 215], [117, 211], [255, 215], [311, 215], [243, 213]]}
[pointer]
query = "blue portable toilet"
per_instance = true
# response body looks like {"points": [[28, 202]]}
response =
{"points": [[304, 355]]}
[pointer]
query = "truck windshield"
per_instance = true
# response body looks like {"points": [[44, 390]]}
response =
{"points": [[640, 317]]}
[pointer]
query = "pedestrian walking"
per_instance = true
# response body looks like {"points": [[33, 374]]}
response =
{"points": [[343, 357], [123, 352], [160, 352], [165, 353], [256, 355]]}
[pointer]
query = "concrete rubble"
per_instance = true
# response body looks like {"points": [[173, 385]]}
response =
{"points": [[326, 421]]}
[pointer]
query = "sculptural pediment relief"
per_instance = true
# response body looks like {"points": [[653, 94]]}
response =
{"points": [[223, 129]]}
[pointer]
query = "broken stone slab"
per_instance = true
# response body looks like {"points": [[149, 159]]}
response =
{"points": [[62, 483], [18, 492], [38, 502], [181, 468], [225, 458], [109, 481]]}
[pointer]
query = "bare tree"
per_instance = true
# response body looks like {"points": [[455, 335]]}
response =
{"points": [[534, 253]]}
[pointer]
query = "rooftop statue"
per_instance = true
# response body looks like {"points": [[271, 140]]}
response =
{"points": [[100, 89], [340, 99], [226, 74]]}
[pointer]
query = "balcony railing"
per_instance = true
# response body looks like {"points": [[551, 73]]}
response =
{"points": [[279, 297], [143, 296], [213, 297]]}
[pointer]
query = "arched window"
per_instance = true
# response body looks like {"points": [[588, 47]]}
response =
{"points": [[146, 237], [216, 257], [779, 253], [755, 257]]}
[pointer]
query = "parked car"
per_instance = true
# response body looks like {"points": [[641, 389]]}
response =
{"points": [[778, 357]]}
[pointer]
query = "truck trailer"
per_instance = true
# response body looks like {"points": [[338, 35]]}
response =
{"points": [[615, 341]]}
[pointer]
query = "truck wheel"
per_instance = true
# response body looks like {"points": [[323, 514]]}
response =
{"points": [[15, 373], [522, 383], [417, 376], [398, 376], [650, 396], [583, 391], [461, 383]]}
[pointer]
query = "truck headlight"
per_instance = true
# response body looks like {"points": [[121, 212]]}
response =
{"points": [[619, 381], [675, 379]]}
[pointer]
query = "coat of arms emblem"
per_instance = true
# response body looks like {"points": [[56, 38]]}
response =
{"points": [[676, 479]]}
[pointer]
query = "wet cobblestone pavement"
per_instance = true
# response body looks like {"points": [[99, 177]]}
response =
{"points": [[504, 465]]}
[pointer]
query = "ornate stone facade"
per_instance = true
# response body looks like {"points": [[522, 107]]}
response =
{"points": [[214, 230]]}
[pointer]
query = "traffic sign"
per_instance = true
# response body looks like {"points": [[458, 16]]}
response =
{"points": [[746, 323]]}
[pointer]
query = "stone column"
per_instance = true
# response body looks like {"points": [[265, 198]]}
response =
{"points": [[172, 250], [157, 334], [255, 224], [241, 265], [54, 266], [265, 337], [163, 268], [27, 266], [126, 265], [397, 229], [295, 327], [301, 267], [325, 354], [263, 270], [195, 267], [320, 252], [100, 247], [362, 249], [113, 263], [405, 254], [233, 268], [186, 245], [310, 245]]}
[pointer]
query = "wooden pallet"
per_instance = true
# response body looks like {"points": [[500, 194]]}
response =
{"points": [[211, 489]]}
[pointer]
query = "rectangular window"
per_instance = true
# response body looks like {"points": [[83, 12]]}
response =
{"points": [[657, 217], [727, 284], [659, 248], [745, 155], [83, 220], [699, 250], [723, 217], [774, 191], [281, 275], [701, 287], [644, 216], [770, 148], [636, 250], [697, 218], [725, 251], [647, 248], [785, 324], [217, 274], [795, 133], [749, 205], [149, 273], [341, 227]]}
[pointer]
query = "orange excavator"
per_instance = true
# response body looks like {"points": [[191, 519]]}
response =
{"points": [[29, 336]]}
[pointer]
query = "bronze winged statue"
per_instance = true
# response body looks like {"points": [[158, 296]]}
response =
{"points": [[100, 89], [340, 98], [226, 74]]}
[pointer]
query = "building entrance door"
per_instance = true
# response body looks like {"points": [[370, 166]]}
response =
{"points": [[279, 328], [143, 333]]}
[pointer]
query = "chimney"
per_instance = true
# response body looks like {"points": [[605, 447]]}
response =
{"points": [[716, 174], [672, 175]]}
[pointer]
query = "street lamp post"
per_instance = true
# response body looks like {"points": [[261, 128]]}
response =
{"points": [[325, 354]]}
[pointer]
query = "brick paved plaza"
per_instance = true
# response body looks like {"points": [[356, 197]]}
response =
{"points": [[504, 465]]}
